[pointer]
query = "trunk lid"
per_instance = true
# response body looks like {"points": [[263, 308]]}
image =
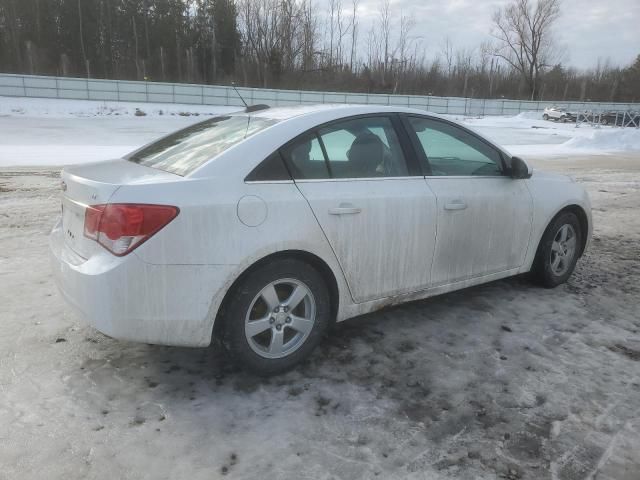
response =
{"points": [[94, 184]]}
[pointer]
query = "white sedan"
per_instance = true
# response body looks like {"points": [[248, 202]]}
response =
{"points": [[263, 227]]}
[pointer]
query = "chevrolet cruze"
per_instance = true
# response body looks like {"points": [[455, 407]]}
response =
{"points": [[263, 227]]}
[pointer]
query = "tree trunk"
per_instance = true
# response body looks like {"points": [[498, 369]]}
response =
{"points": [[135, 42], [84, 52]]}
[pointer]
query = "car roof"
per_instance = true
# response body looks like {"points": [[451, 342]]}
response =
{"points": [[341, 110]]}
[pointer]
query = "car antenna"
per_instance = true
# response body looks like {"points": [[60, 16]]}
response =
{"points": [[233, 84], [249, 108]]}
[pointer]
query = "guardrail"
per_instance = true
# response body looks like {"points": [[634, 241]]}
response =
{"points": [[133, 91]]}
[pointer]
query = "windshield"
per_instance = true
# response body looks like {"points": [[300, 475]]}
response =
{"points": [[187, 149]]}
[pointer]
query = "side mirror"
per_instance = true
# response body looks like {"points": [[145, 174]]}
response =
{"points": [[520, 169]]}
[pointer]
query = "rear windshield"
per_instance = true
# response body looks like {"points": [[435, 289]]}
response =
{"points": [[187, 149]]}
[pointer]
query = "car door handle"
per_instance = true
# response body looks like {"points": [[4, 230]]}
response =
{"points": [[455, 205], [345, 209]]}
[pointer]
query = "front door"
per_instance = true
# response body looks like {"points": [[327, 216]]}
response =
{"points": [[484, 216], [379, 219]]}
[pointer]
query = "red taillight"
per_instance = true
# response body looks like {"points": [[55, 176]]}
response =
{"points": [[122, 227]]}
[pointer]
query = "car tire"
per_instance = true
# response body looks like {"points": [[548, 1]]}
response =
{"points": [[267, 341], [563, 119], [558, 251], [545, 117]]}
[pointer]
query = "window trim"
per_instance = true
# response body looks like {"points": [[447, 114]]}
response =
{"points": [[424, 158], [408, 151], [327, 162]]}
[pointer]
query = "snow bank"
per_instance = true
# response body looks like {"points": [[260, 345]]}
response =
{"points": [[529, 116], [611, 139], [54, 132], [49, 107]]}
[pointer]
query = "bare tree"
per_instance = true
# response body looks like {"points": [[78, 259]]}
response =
{"points": [[522, 30], [308, 44], [354, 32], [447, 52], [84, 52], [385, 31]]}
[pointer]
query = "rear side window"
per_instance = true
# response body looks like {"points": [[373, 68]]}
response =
{"points": [[305, 158], [270, 169], [363, 148], [359, 148], [187, 149]]}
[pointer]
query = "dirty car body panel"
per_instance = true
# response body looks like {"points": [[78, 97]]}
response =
{"points": [[427, 228]]}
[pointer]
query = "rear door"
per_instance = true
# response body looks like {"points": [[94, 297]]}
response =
{"points": [[371, 203], [484, 216]]}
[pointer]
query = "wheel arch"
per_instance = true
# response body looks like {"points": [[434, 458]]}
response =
{"points": [[583, 219], [313, 260]]}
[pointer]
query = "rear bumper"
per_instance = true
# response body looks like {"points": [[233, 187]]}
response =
{"points": [[129, 299]]}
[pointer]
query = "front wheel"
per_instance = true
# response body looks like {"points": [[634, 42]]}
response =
{"points": [[558, 251], [545, 117], [276, 316]]}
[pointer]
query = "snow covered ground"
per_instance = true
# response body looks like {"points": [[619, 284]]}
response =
{"points": [[506, 380], [527, 135], [59, 132]]}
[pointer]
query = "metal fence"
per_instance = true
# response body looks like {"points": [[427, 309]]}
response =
{"points": [[130, 91]]}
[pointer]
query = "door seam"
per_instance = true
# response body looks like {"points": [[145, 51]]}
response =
{"points": [[435, 241], [328, 243]]}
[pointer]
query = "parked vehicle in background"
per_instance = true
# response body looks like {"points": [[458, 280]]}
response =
{"points": [[620, 119], [611, 118], [261, 228], [558, 114]]}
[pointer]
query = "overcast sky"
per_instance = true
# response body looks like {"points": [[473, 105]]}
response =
{"points": [[586, 30]]}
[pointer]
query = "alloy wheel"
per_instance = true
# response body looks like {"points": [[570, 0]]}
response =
{"points": [[563, 249], [280, 318]]}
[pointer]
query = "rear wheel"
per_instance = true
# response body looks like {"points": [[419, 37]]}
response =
{"points": [[276, 316], [545, 117], [558, 250]]}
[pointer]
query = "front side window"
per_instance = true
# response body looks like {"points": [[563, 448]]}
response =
{"points": [[187, 149], [357, 148], [451, 151]]}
